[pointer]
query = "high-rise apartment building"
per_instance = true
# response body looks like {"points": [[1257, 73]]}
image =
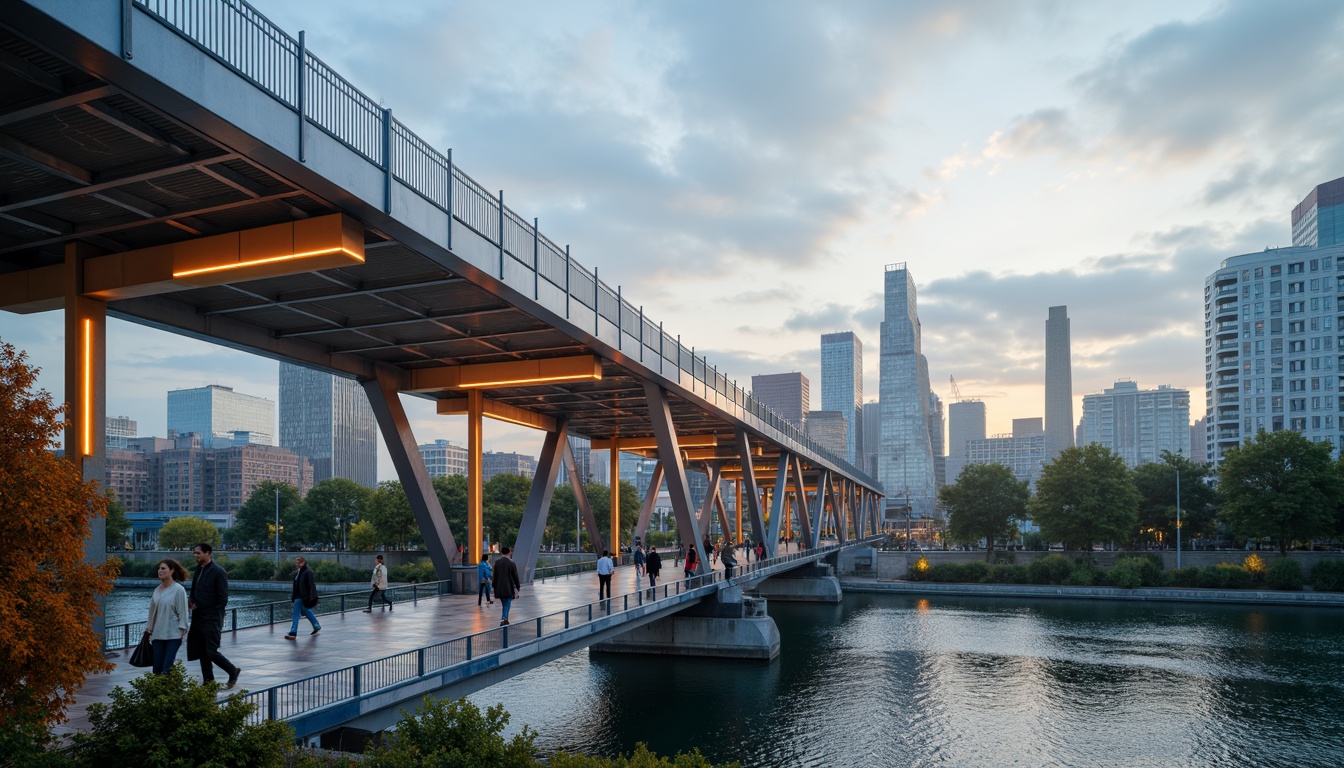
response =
{"points": [[842, 387], [221, 416], [872, 429], [784, 393], [442, 458], [1199, 448], [1058, 383], [1318, 221], [179, 475], [965, 422], [1271, 356], [329, 420], [493, 463], [905, 465], [829, 428], [1138, 425], [120, 431], [582, 450], [937, 444], [1023, 451]]}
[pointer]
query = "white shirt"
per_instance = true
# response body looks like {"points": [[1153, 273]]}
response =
{"points": [[168, 612], [605, 566]]}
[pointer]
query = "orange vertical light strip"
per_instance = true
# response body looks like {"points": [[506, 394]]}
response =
{"points": [[86, 414]]}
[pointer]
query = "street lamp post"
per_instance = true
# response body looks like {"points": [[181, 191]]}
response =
{"points": [[277, 527], [1178, 516]]}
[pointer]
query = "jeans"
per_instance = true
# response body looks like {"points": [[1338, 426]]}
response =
{"points": [[165, 653], [504, 614], [374, 595], [603, 586], [300, 610], [484, 591]]}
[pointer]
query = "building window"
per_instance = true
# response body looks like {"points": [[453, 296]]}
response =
{"points": [[1295, 268]]}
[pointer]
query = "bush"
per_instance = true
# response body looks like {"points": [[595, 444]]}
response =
{"points": [[1008, 574], [1328, 576], [1051, 569], [1284, 573], [251, 568], [1184, 577], [1255, 566], [332, 572], [945, 572], [1128, 574], [454, 733], [1147, 564], [172, 720], [422, 572], [1082, 576], [1003, 557], [921, 571], [1226, 576]]}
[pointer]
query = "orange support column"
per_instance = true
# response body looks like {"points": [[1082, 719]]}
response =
{"points": [[615, 537], [475, 493], [739, 511]]}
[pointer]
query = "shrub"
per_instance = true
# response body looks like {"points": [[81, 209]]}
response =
{"points": [[1008, 574], [1184, 577], [1081, 576], [1226, 576], [252, 568], [332, 572], [1284, 573], [172, 720], [453, 733], [1147, 564], [1051, 569], [422, 572], [1005, 557], [921, 570], [945, 572], [975, 571], [1328, 576], [1255, 566], [1127, 574]]}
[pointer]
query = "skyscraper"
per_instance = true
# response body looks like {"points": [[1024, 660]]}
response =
{"points": [[965, 422], [1058, 383], [936, 442], [329, 420], [221, 416], [1138, 425], [829, 428], [872, 429], [842, 387], [784, 393], [905, 458], [1318, 220]]}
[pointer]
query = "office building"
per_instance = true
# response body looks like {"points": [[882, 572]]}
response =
{"points": [[1199, 450], [1270, 356], [905, 465], [872, 429], [1058, 383], [830, 430], [1138, 425], [965, 422], [1023, 451], [582, 450], [786, 394], [328, 419], [442, 458], [221, 416], [120, 430], [493, 463], [1318, 221], [842, 387], [937, 444]]}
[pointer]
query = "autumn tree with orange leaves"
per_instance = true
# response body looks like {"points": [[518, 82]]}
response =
{"points": [[48, 594]]}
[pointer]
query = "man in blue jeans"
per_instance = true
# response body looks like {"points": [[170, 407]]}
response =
{"points": [[304, 595], [506, 582]]}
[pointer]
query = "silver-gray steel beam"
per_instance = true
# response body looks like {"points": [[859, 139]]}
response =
{"points": [[650, 500], [533, 528], [581, 499], [751, 494], [800, 501], [714, 470], [678, 490]]}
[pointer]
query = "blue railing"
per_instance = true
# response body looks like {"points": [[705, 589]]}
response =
{"points": [[244, 40]]}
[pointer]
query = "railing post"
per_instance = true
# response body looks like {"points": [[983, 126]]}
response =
{"points": [[272, 607], [566, 618], [302, 92], [597, 310], [538, 626], [468, 647], [387, 160], [620, 319], [566, 282], [342, 604], [272, 703], [420, 662], [506, 635], [536, 261], [126, 7], [641, 333], [660, 347], [357, 686], [501, 234], [450, 198]]}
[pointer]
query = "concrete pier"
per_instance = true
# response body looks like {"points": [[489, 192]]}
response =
{"points": [[734, 627], [816, 584]]}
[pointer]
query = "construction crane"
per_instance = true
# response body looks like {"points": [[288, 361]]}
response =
{"points": [[956, 391]]}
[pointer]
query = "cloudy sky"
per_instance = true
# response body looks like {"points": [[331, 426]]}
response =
{"points": [[745, 170]]}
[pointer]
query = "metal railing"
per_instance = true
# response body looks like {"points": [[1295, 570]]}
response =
{"points": [[297, 697], [244, 40], [121, 636]]}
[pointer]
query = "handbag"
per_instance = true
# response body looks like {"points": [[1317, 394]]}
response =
{"points": [[143, 655]]}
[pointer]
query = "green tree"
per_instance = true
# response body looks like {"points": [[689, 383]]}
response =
{"points": [[455, 734], [118, 526], [560, 521], [328, 508], [1156, 482], [984, 503], [253, 527], [1279, 484], [186, 532], [363, 537], [452, 493], [47, 643], [505, 500], [390, 512], [1086, 495]]}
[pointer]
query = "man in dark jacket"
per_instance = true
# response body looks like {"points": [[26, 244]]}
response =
{"points": [[304, 595], [208, 600], [506, 582], [653, 563]]}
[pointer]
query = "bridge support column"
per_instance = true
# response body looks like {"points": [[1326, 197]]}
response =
{"points": [[731, 627], [816, 584]]}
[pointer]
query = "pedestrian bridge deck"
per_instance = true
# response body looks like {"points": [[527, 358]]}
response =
{"points": [[445, 644]]}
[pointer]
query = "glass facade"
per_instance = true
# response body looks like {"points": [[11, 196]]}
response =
{"points": [[842, 388], [829, 428], [329, 420], [1318, 220], [1058, 383], [787, 394], [965, 422], [1138, 425], [442, 458], [905, 465], [217, 413]]}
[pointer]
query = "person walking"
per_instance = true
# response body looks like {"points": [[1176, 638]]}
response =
{"points": [[640, 559], [207, 602], [378, 585], [484, 573], [728, 556], [304, 595], [760, 551], [692, 562], [605, 567], [506, 583], [652, 566], [167, 624]]}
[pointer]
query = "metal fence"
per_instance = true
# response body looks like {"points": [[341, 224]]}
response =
{"points": [[244, 40]]}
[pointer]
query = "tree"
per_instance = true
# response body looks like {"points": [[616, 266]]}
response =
{"points": [[118, 526], [390, 512], [253, 527], [1086, 495], [363, 537], [330, 506], [47, 642], [1156, 482], [1279, 484], [505, 500], [187, 532], [452, 493], [560, 521], [984, 503]]}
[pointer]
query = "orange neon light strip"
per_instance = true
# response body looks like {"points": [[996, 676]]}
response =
{"points": [[269, 260], [538, 380], [87, 415]]}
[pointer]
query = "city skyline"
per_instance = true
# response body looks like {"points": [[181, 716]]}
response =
{"points": [[1138, 147]]}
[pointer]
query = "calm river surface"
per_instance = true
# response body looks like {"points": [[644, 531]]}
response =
{"points": [[893, 681]]}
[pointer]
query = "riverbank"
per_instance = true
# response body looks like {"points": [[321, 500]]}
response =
{"points": [[257, 586], [1142, 594]]}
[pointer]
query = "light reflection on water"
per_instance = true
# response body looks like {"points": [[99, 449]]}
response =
{"points": [[887, 680]]}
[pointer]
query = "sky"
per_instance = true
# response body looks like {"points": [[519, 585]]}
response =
{"points": [[746, 170]]}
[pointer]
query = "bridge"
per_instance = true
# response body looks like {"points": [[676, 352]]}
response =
{"points": [[189, 166]]}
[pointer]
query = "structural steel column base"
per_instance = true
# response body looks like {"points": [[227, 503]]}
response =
{"points": [[749, 637]]}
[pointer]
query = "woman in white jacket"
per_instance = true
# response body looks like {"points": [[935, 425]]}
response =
{"points": [[167, 615]]}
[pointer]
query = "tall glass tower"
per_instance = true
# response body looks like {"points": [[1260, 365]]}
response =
{"points": [[328, 419], [842, 387], [905, 455], [221, 416], [1058, 384]]}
